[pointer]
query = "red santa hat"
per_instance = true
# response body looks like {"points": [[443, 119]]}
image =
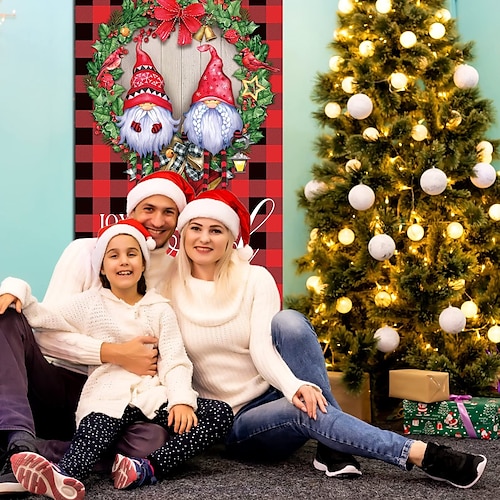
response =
{"points": [[127, 226], [223, 206], [164, 182], [213, 84], [146, 84]]}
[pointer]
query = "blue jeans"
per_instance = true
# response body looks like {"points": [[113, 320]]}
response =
{"points": [[271, 427]]}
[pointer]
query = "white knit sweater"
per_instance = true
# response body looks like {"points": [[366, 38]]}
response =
{"points": [[73, 274], [228, 339], [105, 318]]}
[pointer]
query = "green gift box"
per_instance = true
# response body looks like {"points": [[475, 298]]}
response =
{"points": [[461, 416]]}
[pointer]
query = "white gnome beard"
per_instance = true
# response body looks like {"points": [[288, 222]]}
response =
{"points": [[146, 142]]}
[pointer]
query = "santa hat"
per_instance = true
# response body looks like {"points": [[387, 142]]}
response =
{"points": [[223, 206], [164, 182], [127, 226], [214, 84], [146, 84]]}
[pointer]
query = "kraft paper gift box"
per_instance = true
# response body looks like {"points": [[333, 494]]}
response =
{"points": [[419, 385], [358, 404], [462, 416]]}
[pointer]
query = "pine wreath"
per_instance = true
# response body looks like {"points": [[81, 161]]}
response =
{"points": [[137, 19]]}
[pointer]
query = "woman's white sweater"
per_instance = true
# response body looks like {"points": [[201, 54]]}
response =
{"points": [[228, 339], [105, 318]]}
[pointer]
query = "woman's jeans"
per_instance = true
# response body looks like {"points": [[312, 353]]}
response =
{"points": [[271, 427]]}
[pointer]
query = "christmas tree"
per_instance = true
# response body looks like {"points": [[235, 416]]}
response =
{"points": [[403, 203]]}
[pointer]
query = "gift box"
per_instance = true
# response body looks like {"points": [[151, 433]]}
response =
{"points": [[461, 416], [358, 404], [419, 385]]}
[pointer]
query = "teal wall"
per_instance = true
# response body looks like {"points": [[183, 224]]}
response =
{"points": [[36, 122]]}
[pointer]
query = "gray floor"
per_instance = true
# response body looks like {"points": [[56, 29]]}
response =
{"points": [[213, 476]]}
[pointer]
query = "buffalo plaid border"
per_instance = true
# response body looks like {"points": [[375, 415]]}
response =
{"points": [[100, 182]]}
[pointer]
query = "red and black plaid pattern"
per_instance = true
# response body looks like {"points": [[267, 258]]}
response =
{"points": [[101, 184]]}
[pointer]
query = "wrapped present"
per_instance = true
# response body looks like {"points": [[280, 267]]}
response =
{"points": [[419, 385], [461, 416], [358, 404]]}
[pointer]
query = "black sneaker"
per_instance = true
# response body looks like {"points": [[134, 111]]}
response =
{"points": [[9, 485], [336, 464], [462, 470]]}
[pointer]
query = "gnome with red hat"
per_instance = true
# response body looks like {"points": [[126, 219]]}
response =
{"points": [[213, 120], [147, 124]]}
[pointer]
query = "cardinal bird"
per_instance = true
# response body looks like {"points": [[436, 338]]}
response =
{"points": [[252, 63], [112, 61]]}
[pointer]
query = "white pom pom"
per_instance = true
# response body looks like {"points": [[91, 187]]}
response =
{"points": [[150, 243], [245, 253]]}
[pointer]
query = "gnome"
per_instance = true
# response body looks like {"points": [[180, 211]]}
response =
{"points": [[213, 121], [147, 124]]}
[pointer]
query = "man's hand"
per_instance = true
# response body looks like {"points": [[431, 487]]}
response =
{"points": [[308, 399], [183, 418], [139, 355], [6, 300]]}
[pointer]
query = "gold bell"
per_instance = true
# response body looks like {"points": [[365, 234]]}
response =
{"points": [[198, 36], [209, 33]]}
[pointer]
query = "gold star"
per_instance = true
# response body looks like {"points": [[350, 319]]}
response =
{"points": [[252, 88]]}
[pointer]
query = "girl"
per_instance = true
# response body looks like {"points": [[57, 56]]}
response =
{"points": [[225, 308], [112, 397]]}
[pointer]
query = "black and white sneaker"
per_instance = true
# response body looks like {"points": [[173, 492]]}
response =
{"points": [[459, 469], [9, 485], [336, 464]]}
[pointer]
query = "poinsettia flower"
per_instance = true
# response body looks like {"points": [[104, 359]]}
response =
{"points": [[106, 81], [170, 12]]}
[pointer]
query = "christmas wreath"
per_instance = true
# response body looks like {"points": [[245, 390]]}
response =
{"points": [[184, 19]]}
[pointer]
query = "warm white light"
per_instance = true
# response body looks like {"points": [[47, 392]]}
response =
{"points": [[437, 30], [383, 299], [485, 147], [399, 81], [371, 134], [344, 305], [348, 84], [443, 15], [494, 334], [353, 165], [469, 308], [314, 284], [346, 236], [415, 232], [419, 132], [455, 230], [494, 211], [383, 6], [366, 48], [346, 6], [335, 62], [408, 39], [333, 110]]}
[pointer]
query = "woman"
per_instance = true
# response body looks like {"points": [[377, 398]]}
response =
{"points": [[113, 398], [225, 308]]}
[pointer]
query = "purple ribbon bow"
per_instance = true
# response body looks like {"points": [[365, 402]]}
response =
{"points": [[459, 399]]}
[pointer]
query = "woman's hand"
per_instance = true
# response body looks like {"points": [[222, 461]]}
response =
{"points": [[183, 418], [308, 399], [6, 300]]}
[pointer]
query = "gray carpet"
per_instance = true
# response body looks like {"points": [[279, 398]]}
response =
{"points": [[213, 476]]}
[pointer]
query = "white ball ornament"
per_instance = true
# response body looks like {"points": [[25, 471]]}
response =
{"points": [[381, 247], [335, 62], [348, 84], [371, 134], [359, 106], [353, 165], [333, 110], [314, 188], [415, 232], [485, 147], [346, 6], [455, 230], [383, 299], [494, 334], [419, 132], [399, 81], [343, 305], [494, 212], [361, 197], [484, 175], [346, 236], [465, 76], [452, 320], [408, 39], [366, 48], [387, 339], [433, 181]]}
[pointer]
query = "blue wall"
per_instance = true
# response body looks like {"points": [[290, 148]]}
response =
{"points": [[36, 122]]}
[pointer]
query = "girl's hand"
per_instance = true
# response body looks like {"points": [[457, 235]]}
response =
{"points": [[308, 399], [6, 300], [183, 418]]}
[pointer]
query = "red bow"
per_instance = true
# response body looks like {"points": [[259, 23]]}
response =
{"points": [[170, 12]]}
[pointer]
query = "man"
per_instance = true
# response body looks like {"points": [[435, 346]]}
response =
{"points": [[38, 398]]}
